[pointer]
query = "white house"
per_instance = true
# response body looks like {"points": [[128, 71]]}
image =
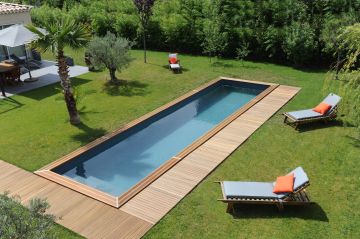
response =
{"points": [[11, 14]]}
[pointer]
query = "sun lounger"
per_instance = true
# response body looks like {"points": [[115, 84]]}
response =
{"points": [[174, 63], [235, 192], [295, 118]]}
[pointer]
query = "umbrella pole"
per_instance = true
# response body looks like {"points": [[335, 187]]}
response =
{"points": [[27, 64]]}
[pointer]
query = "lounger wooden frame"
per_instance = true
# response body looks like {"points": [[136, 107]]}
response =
{"points": [[296, 123], [299, 197]]}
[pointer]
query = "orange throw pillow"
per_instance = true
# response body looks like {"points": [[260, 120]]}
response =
{"points": [[284, 184], [173, 60], [322, 108]]}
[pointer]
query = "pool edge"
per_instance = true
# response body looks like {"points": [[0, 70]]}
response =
{"points": [[117, 202]]}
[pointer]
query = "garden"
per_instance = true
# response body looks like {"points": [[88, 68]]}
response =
{"points": [[293, 43]]}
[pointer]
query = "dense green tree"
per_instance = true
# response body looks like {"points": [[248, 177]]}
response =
{"points": [[215, 39], [350, 74], [144, 9], [347, 82], [300, 43], [272, 29]]}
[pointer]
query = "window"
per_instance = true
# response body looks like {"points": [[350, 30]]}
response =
{"points": [[18, 51]]}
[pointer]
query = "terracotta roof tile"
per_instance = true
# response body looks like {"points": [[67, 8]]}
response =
{"points": [[9, 8]]}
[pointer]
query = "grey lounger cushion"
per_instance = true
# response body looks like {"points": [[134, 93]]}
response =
{"points": [[331, 99], [304, 114], [301, 178], [235, 189]]}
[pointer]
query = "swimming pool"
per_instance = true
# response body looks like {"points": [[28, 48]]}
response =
{"points": [[119, 165]]}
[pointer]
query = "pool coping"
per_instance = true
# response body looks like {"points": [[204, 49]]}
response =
{"points": [[118, 201]]}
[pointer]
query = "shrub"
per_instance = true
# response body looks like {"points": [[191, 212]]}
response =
{"points": [[19, 222]]}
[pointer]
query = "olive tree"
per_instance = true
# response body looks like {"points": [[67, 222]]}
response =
{"points": [[111, 52]]}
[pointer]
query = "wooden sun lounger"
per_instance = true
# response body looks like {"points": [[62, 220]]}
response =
{"points": [[310, 116], [298, 197]]}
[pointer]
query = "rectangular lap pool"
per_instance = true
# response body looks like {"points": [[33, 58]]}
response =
{"points": [[119, 165]]}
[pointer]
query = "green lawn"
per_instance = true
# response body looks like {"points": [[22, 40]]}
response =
{"points": [[35, 131]]}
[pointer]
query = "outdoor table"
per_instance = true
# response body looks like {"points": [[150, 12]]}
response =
{"points": [[8, 72]]}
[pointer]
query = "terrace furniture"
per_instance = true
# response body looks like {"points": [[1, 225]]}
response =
{"points": [[9, 73], [174, 63], [235, 192], [296, 118], [28, 64]]}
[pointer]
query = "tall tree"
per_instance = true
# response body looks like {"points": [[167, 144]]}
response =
{"points": [[348, 83], [215, 39], [144, 8], [350, 73], [117, 58], [63, 32]]}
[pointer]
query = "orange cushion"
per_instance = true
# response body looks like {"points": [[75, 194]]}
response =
{"points": [[322, 108], [173, 60], [284, 184]]}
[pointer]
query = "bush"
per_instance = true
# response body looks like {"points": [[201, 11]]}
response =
{"points": [[273, 29], [300, 45], [19, 222]]}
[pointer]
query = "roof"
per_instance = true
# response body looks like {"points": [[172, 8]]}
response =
{"points": [[10, 8]]}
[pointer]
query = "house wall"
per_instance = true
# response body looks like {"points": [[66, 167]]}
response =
{"points": [[22, 17]]}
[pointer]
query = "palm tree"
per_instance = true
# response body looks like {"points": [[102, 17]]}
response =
{"points": [[61, 33]]}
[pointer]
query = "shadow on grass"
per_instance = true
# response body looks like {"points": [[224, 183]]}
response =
{"points": [[183, 69], [222, 64], [319, 125], [88, 134], [126, 88], [309, 212], [52, 89], [355, 141], [9, 104], [83, 112]]}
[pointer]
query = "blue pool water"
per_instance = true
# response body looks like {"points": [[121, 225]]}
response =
{"points": [[121, 162]]}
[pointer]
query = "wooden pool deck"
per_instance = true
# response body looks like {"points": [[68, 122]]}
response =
{"points": [[94, 219]]}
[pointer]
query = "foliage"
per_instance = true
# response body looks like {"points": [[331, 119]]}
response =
{"points": [[110, 51], [19, 222], [63, 32], [300, 43], [215, 39], [273, 29], [242, 52], [350, 73], [144, 9]]}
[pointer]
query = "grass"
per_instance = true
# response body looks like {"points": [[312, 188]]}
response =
{"points": [[35, 131]]}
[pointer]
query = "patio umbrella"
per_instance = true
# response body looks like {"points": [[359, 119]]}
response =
{"points": [[18, 35]]}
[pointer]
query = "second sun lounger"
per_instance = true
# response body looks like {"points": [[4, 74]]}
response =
{"points": [[235, 192], [296, 118]]}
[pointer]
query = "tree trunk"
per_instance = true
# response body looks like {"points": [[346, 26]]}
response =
{"points": [[113, 78], [144, 43], [66, 85]]}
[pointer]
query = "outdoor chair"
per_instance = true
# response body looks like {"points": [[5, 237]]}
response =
{"points": [[32, 64], [174, 63], [296, 118], [235, 192]]}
